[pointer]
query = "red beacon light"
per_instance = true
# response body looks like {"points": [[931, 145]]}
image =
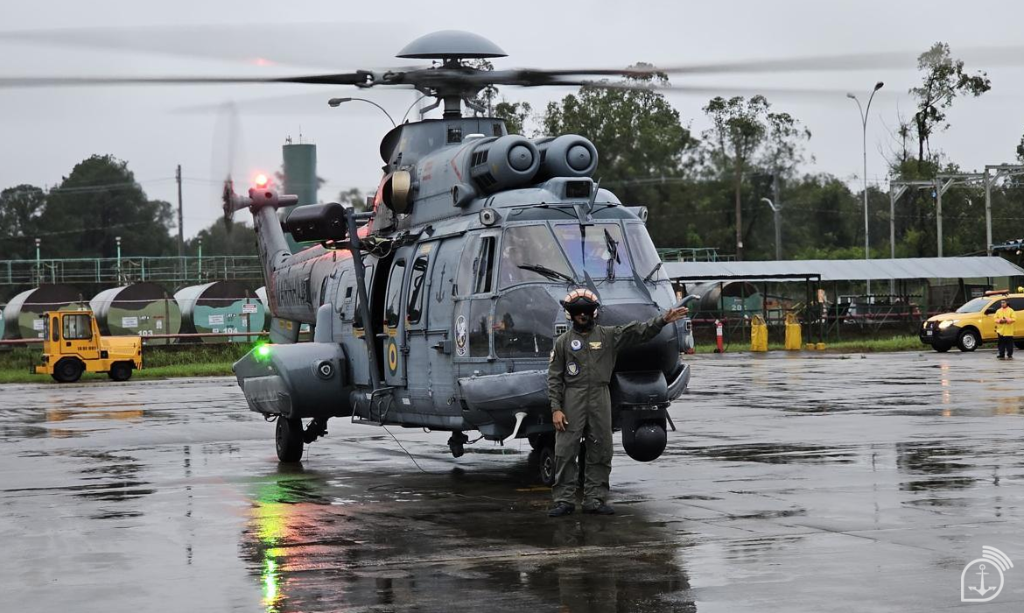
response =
{"points": [[262, 180]]}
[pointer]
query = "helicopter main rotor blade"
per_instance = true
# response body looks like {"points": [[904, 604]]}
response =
{"points": [[975, 57], [359, 79], [331, 45]]}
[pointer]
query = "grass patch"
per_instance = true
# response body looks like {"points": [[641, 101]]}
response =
{"points": [[158, 362], [880, 345]]}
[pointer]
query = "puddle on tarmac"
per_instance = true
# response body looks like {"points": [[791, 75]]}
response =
{"points": [[776, 453]]}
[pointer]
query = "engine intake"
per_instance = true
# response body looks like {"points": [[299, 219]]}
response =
{"points": [[506, 162]]}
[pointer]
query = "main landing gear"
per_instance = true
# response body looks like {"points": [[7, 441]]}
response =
{"points": [[457, 444]]}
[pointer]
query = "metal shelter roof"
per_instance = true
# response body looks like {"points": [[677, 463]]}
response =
{"points": [[848, 270]]}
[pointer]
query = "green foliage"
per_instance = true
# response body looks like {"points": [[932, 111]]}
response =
{"points": [[942, 81], [218, 239], [20, 208], [515, 115], [354, 198], [99, 201]]}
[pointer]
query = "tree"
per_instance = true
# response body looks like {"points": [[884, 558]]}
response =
{"points": [[353, 197], [515, 115], [944, 79], [742, 130], [218, 240], [100, 201], [20, 208]]}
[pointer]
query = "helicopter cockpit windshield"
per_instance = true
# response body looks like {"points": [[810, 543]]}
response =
{"points": [[597, 249]]}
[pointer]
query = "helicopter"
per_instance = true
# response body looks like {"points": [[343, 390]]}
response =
{"points": [[438, 308]]}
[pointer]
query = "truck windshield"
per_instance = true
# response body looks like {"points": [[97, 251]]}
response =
{"points": [[974, 306], [597, 249], [529, 254]]}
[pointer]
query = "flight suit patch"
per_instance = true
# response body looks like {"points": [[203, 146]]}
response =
{"points": [[595, 344], [572, 369], [576, 344]]}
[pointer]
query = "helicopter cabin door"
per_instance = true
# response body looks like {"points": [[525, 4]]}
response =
{"points": [[394, 337]]}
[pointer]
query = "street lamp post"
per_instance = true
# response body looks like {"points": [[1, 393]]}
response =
{"points": [[864, 125], [39, 264], [335, 102], [776, 209]]}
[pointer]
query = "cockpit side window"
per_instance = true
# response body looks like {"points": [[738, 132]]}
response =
{"points": [[394, 303], [530, 254], [483, 267], [417, 288], [645, 256]]}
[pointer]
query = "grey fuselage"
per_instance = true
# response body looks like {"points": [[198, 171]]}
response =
{"points": [[463, 332]]}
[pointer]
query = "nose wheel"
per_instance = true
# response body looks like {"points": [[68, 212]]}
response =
{"points": [[288, 436]]}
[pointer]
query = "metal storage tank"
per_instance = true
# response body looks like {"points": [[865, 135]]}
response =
{"points": [[23, 314], [725, 298], [221, 306], [139, 309], [299, 176]]}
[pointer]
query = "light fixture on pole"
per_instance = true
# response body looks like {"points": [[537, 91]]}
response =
{"points": [[778, 234], [336, 102], [864, 125]]}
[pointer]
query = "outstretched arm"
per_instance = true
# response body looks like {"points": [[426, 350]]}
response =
{"points": [[639, 332]]}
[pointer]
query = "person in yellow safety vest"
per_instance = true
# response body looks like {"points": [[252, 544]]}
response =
{"points": [[1005, 320]]}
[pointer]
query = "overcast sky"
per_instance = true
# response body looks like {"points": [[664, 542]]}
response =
{"points": [[44, 132]]}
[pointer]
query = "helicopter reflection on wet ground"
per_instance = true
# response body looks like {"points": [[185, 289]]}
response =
{"points": [[795, 484]]}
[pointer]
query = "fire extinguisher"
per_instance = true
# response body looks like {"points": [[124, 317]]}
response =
{"points": [[718, 337]]}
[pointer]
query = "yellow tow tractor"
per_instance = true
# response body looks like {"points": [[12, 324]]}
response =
{"points": [[72, 345]]}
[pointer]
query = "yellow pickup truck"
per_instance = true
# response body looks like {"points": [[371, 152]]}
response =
{"points": [[972, 324], [72, 345]]}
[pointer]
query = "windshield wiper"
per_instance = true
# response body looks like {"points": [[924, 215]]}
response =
{"points": [[613, 250], [547, 272], [653, 272]]}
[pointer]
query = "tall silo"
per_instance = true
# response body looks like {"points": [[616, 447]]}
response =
{"points": [[299, 176], [141, 309], [220, 306], [23, 315]]}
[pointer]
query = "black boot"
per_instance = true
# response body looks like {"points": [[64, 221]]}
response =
{"points": [[561, 509], [598, 507]]}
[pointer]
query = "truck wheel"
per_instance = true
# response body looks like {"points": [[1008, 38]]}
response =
{"points": [[968, 341], [120, 371], [68, 370], [289, 439], [547, 465], [1019, 345]]}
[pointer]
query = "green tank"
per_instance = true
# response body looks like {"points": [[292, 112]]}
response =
{"points": [[299, 177], [141, 309], [23, 314], [220, 306]]}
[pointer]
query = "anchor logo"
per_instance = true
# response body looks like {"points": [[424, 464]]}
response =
{"points": [[991, 559]]}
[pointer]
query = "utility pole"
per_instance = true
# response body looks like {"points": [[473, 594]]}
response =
{"points": [[181, 231], [1001, 170], [941, 186]]}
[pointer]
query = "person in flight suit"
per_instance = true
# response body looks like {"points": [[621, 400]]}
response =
{"points": [[1006, 319], [581, 367]]}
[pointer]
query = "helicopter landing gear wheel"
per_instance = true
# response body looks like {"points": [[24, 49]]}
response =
{"points": [[289, 439], [546, 460]]}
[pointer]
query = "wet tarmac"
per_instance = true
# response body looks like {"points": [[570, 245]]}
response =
{"points": [[820, 483]]}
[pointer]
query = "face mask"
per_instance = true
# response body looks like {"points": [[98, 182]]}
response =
{"points": [[587, 325]]}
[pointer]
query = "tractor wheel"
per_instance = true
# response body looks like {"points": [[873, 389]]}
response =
{"points": [[68, 370], [120, 371], [289, 439]]}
